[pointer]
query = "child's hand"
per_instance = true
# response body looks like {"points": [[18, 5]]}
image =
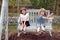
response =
{"points": [[51, 18]]}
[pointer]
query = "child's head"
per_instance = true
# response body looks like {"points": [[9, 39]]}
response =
{"points": [[23, 10], [42, 11]]}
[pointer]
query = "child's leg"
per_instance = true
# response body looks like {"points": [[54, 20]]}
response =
{"points": [[42, 28], [50, 32], [24, 26], [38, 28]]}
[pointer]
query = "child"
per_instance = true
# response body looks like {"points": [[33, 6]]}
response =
{"points": [[41, 19], [24, 17]]}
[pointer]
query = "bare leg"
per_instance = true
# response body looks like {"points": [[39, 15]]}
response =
{"points": [[22, 26], [42, 28], [38, 29], [50, 32], [18, 33]]}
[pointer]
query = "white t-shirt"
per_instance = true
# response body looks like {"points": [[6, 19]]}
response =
{"points": [[23, 17]]}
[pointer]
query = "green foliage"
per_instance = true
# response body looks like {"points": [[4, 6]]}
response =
{"points": [[12, 27], [13, 3], [34, 3], [43, 3]]}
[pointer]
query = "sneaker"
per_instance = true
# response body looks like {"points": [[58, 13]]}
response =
{"points": [[24, 32]]}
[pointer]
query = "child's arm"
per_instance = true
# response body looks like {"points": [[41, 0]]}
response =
{"points": [[50, 15], [48, 18], [45, 17]]}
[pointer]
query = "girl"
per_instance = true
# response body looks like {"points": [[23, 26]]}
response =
{"points": [[24, 17], [41, 19]]}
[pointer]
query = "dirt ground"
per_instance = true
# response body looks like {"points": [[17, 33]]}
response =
{"points": [[34, 36]]}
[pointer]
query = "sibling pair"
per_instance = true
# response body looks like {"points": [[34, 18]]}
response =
{"points": [[43, 15]]}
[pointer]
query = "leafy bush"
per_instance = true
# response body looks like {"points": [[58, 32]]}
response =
{"points": [[43, 3]]}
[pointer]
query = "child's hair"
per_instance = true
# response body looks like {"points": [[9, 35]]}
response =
{"points": [[23, 8], [43, 10]]}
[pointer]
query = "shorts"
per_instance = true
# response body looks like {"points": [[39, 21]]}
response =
{"points": [[27, 23], [39, 25]]}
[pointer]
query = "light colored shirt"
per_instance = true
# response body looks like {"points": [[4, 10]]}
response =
{"points": [[24, 17]]}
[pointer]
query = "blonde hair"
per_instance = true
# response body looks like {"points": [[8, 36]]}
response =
{"points": [[43, 10]]}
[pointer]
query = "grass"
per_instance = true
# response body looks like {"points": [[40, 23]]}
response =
{"points": [[56, 26], [11, 28], [14, 27]]}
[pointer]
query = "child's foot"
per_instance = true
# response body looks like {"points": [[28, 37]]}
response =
{"points": [[38, 33], [24, 31]]}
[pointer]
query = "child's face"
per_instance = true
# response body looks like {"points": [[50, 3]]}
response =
{"points": [[24, 12], [42, 13]]}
